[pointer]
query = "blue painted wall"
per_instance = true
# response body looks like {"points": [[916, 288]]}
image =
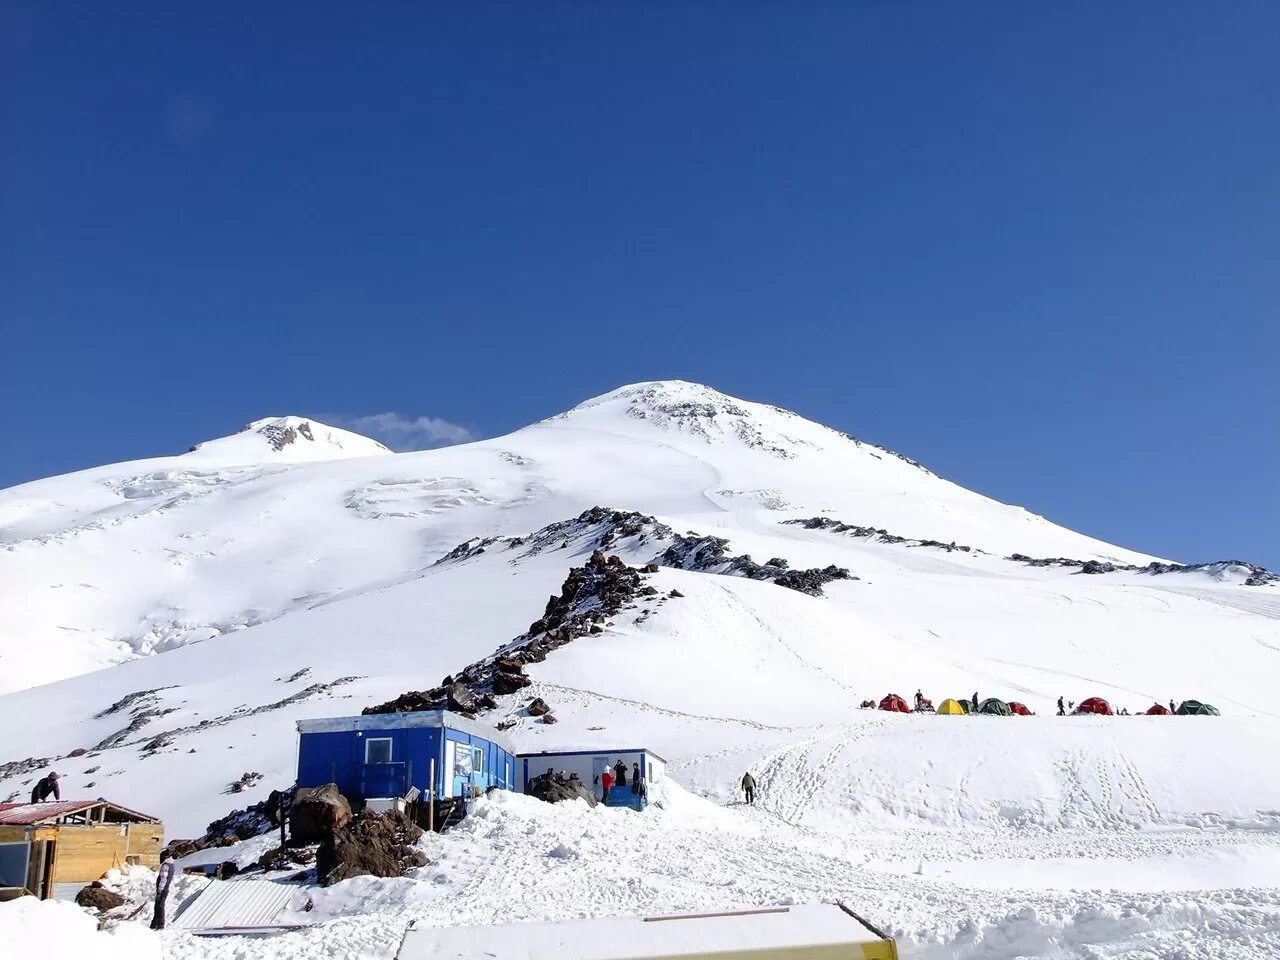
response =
{"points": [[340, 758]]}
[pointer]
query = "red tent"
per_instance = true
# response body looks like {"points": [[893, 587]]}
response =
{"points": [[1020, 709], [1094, 705], [894, 702], [1155, 710]]}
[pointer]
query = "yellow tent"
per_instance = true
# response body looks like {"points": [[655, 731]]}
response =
{"points": [[952, 706]]}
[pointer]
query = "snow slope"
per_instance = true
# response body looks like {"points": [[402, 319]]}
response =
{"points": [[138, 558], [319, 588]]}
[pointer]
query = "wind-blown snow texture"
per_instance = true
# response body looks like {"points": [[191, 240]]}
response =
{"points": [[324, 575]]}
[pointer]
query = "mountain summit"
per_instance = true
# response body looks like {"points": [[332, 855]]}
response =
{"points": [[291, 439], [140, 558]]}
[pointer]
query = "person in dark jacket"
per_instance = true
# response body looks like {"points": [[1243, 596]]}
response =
{"points": [[1062, 710], [620, 773], [164, 879], [974, 708], [749, 786], [44, 786], [637, 787], [1172, 708]]}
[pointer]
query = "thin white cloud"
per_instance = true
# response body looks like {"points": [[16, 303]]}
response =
{"points": [[401, 432]]}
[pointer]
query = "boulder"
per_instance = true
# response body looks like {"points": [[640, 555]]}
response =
{"points": [[461, 699], [549, 718], [371, 845], [651, 568], [538, 707], [505, 683], [317, 812], [555, 787], [99, 898], [510, 665]]}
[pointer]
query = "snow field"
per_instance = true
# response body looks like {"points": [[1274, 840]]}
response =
{"points": [[220, 575]]}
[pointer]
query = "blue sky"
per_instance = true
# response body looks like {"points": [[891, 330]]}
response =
{"points": [[1035, 246]]}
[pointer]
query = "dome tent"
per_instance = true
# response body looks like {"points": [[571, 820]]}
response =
{"points": [[1020, 709], [1094, 705], [1158, 710], [953, 708], [1190, 708], [893, 702], [997, 708]]}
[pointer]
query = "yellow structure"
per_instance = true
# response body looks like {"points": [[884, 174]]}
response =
{"points": [[953, 707], [71, 841]]}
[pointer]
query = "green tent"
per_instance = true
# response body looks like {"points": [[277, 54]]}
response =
{"points": [[1196, 708], [995, 707]]}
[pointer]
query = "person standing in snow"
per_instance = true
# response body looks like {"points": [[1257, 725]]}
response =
{"points": [[919, 699], [749, 786], [975, 701], [1172, 709], [637, 781], [1062, 711], [620, 772], [164, 878], [606, 781], [44, 786]]}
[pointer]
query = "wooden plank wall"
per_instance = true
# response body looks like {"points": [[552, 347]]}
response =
{"points": [[86, 853]]}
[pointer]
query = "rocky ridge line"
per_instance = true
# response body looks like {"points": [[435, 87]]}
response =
{"points": [[1258, 576]]}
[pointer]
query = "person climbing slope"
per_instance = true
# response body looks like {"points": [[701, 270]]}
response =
{"points": [[749, 786]]}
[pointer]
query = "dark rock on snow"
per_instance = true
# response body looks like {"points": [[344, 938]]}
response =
{"points": [[555, 787], [99, 898], [316, 813], [371, 844]]}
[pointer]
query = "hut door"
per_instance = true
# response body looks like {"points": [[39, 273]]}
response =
{"points": [[40, 869]]}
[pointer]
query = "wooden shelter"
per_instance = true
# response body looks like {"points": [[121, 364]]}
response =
{"points": [[71, 842]]}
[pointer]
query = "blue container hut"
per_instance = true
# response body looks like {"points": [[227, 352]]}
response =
{"points": [[381, 756]]}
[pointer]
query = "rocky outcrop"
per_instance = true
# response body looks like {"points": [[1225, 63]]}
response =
{"points": [[590, 594], [371, 844], [251, 821], [167, 738], [1254, 575], [317, 812], [711, 555], [97, 897], [874, 533], [556, 787]]}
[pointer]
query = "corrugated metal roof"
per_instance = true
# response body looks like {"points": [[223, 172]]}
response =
{"points": [[238, 905], [25, 814]]}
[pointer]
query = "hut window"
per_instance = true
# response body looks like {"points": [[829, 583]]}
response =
{"points": [[377, 750], [477, 759]]}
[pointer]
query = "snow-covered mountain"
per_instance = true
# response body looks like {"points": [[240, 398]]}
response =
{"points": [[787, 573], [138, 558]]}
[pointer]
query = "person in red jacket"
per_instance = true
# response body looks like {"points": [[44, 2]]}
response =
{"points": [[606, 781]]}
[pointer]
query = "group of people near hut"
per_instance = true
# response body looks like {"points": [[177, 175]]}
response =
{"points": [[615, 777]]}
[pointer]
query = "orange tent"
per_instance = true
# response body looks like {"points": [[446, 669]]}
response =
{"points": [[1156, 710], [894, 702], [1021, 709]]}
